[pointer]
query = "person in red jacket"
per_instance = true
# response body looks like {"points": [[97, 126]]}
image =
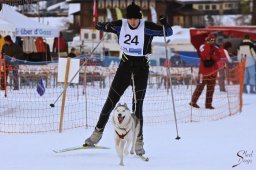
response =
{"points": [[208, 69]]}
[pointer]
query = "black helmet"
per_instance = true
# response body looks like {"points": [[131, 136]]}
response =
{"points": [[133, 11]]}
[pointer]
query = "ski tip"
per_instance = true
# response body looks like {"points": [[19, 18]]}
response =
{"points": [[79, 148], [55, 151]]}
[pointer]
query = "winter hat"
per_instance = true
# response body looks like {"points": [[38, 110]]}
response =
{"points": [[133, 11], [210, 36]]}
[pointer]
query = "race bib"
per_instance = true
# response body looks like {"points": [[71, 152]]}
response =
{"points": [[132, 41]]}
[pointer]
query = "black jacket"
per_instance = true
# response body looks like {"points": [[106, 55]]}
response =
{"points": [[12, 50], [151, 30]]}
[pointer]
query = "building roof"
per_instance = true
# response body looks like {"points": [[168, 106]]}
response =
{"points": [[15, 2], [187, 10], [210, 1], [76, 1], [79, 1]]}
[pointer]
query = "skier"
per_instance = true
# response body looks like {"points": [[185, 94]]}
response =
{"points": [[134, 37]]}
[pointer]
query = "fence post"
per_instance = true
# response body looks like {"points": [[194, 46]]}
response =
{"points": [[191, 84], [241, 78], [64, 94]]}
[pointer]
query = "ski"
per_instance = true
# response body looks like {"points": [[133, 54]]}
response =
{"points": [[79, 148], [144, 158]]}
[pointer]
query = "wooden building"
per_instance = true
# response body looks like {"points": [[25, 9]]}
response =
{"points": [[186, 13], [18, 2]]}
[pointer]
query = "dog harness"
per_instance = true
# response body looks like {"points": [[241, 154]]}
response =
{"points": [[123, 135], [124, 129]]}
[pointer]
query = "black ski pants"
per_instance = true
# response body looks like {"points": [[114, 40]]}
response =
{"points": [[123, 78]]}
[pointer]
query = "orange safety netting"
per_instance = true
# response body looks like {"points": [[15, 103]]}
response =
{"points": [[26, 111]]}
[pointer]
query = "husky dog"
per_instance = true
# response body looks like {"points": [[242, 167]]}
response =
{"points": [[126, 128]]}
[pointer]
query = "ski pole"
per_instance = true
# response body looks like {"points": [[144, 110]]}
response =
{"points": [[169, 76], [84, 63]]}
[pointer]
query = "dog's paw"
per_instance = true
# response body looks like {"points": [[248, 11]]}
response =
{"points": [[132, 152], [121, 163], [126, 152]]}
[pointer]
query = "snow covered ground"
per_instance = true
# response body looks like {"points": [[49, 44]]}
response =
{"points": [[213, 145]]}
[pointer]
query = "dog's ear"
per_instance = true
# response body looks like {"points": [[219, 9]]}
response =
{"points": [[126, 106], [119, 104]]}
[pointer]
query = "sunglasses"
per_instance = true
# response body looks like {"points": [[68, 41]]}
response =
{"points": [[211, 40]]}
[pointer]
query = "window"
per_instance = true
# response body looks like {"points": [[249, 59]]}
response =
{"points": [[214, 7], [122, 4], [86, 36], [108, 4], [235, 6], [101, 4], [129, 2], [77, 20], [178, 20], [93, 36], [228, 6], [137, 2], [207, 7], [115, 4], [152, 3], [200, 7], [144, 4], [109, 37], [195, 20]]}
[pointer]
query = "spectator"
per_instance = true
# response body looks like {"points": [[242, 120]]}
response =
{"points": [[13, 52], [247, 52], [1, 42], [72, 53], [208, 67], [176, 60], [224, 59]]}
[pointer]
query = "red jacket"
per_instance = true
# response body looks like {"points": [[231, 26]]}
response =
{"points": [[40, 46], [63, 45], [206, 52]]}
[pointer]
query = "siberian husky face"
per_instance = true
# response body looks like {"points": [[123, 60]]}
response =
{"points": [[121, 115]]}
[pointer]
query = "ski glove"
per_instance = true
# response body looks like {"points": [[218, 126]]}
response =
{"points": [[99, 26], [109, 27], [163, 20]]}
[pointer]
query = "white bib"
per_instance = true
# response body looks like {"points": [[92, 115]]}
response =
{"points": [[132, 41]]}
